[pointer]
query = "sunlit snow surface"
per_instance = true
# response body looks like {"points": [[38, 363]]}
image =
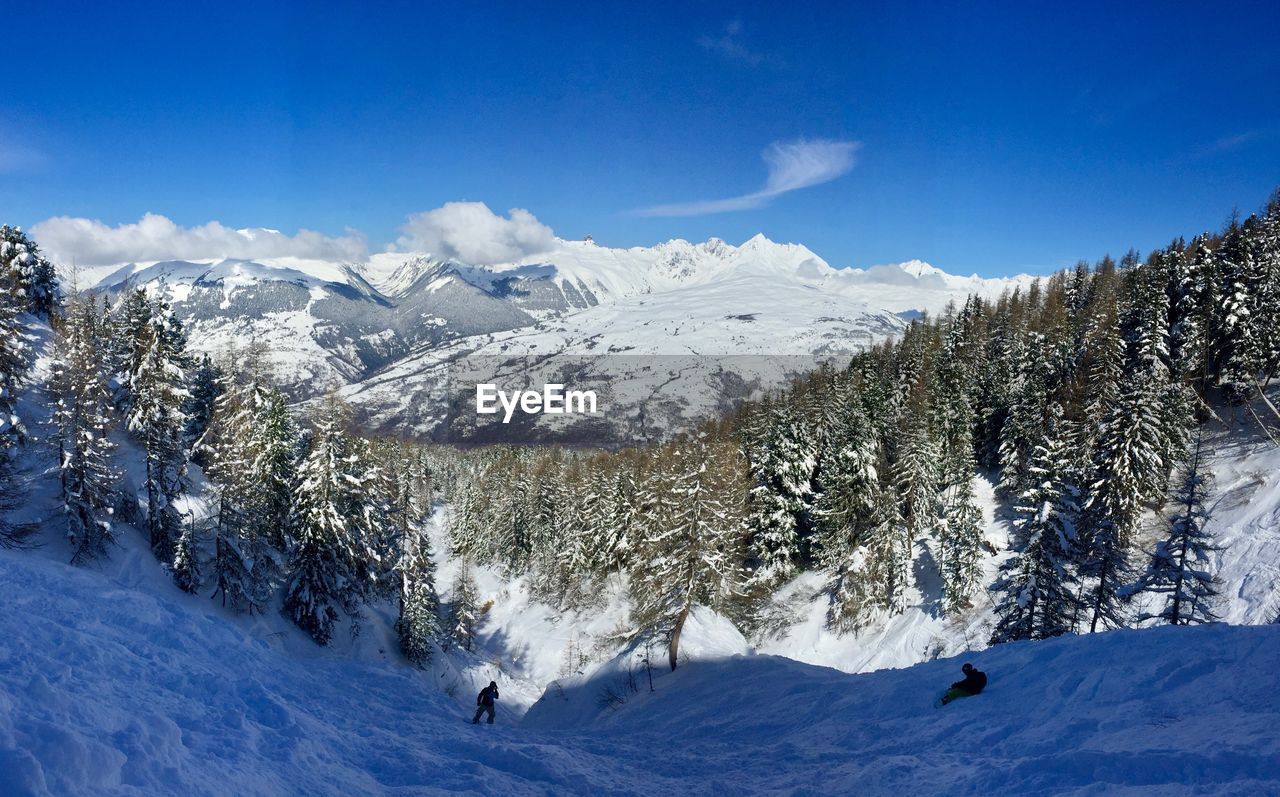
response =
{"points": [[108, 688]]}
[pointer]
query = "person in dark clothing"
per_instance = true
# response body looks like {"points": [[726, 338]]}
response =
{"points": [[975, 681], [485, 702]]}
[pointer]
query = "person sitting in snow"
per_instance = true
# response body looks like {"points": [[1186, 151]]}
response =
{"points": [[485, 702], [975, 681]]}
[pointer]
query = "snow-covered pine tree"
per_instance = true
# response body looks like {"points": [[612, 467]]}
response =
{"points": [[418, 625], [466, 534], [583, 558], [249, 450], [1179, 570], [620, 522], [782, 467], [1037, 599], [877, 572], [424, 482], [186, 557], [888, 555], [227, 455], [82, 418], [273, 441], [30, 277], [157, 391], [463, 609], [15, 361], [961, 534], [1023, 429], [387, 510], [128, 324], [1267, 310], [1138, 437], [696, 557], [848, 485], [522, 515], [332, 557], [1192, 299], [917, 474], [1242, 341], [205, 384]]}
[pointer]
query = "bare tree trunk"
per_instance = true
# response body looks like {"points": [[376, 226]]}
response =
{"points": [[674, 648]]}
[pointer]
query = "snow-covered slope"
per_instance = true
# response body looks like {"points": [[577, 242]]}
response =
{"points": [[111, 690]]}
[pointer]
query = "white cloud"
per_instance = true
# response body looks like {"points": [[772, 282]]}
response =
{"points": [[792, 165], [471, 233], [730, 45], [88, 242]]}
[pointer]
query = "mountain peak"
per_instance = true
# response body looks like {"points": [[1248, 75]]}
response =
{"points": [[919, 268]]}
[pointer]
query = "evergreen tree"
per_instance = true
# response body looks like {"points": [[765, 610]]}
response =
{"points": [[332, 557], [31, 279], [620, 520], [1037, 601], [1179, 568], [1128, 471], [961, 538], [888, 555], [15, 360], [418, 625], [156, 418], [186, 558], [206, 384], [917, 474], [1243, 345], [849, 485], [82, 419], [695, 557], [249, 448], [1024, 428], [463, 613], [782, 465]]}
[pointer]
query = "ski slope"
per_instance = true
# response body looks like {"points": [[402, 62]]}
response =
{"points": [[107, 689]]}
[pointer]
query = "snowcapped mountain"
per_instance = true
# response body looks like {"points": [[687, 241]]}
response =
{"points": [[322, 325], [390, 331]]}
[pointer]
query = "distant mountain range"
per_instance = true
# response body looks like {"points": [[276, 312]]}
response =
{"points": [[402, 333]]}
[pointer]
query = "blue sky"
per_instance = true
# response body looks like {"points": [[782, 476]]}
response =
{"points": [[1018, 136]]}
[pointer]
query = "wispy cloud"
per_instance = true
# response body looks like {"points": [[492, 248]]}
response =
{"points": [[729, 44], [89, 242], [470, 232], [1228, 143], [792, 165]]}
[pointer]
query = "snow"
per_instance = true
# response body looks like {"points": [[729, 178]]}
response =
{"points": [[112, 682], [112, 688]]}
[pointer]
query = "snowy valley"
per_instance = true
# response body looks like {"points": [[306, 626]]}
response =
{"points": [[221, 583]]}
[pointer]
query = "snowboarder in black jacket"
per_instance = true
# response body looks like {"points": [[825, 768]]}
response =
{"points": [[485, 702], [975, 681]]}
